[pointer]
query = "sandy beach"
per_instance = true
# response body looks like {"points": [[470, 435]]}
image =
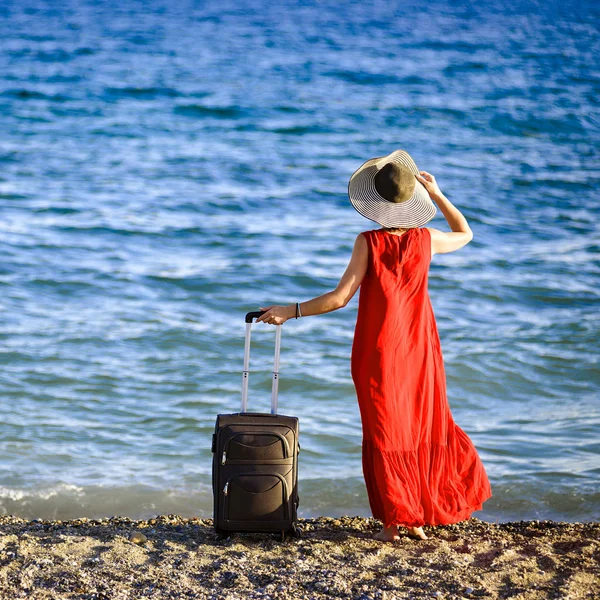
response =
{"points": [[174, 557]]}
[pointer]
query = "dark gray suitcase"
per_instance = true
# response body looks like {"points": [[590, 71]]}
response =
{"points": [[255, 462]]}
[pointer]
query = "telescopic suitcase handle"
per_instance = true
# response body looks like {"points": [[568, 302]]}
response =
{"points": [[249, 318]]}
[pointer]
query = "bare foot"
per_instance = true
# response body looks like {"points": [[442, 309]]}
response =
{"points": [[387, 534], [417, 533]]}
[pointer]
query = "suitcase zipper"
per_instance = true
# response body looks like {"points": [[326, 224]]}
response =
{"points": [[225, 489]]}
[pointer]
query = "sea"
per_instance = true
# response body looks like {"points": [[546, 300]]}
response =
{"points": [[168, 166]]}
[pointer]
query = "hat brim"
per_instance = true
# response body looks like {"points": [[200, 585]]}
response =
{"points": [[413, 212]]}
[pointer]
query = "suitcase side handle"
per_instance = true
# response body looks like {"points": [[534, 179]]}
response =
{"points": [[275, 388]]}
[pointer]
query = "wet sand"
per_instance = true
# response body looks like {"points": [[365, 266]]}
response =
{"points": [[177, 557]]}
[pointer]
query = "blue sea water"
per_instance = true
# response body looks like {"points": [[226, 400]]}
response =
{"points": [[167, 167]]}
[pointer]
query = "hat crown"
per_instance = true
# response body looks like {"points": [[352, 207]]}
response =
{"points": [[385, 190], [395, 182]]}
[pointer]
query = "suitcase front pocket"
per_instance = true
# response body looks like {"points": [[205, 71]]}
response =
{"points": [[256, 446], [256, 497]]}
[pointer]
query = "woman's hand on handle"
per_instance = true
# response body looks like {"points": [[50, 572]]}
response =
{"points": [[276, 315]]}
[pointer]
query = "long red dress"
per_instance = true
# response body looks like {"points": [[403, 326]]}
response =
{"points": [[420, 468]]}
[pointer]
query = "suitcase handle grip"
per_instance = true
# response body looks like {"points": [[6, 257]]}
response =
{"points": [[254, 315]]}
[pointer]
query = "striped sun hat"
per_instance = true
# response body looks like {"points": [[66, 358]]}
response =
{"points": [[385, 190]]}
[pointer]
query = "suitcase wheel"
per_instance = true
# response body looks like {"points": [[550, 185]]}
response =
{"points": [[222, 535], [294, 531]]}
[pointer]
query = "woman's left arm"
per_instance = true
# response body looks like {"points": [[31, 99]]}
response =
{"points": [[338, 298]]}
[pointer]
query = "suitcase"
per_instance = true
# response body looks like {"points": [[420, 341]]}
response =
{"points": [[255, 462]]}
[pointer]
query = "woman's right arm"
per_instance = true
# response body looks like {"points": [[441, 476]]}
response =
{"points": [[338, 298], [461, 234], [347, 286]]}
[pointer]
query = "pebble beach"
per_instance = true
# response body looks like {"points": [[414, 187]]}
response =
{"points": [[174, 557]]}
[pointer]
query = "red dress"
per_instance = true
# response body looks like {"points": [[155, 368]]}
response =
{"points": [[420, 468]]}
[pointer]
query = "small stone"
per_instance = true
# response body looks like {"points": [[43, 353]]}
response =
{"points": [[469, 590], [138, 538]]}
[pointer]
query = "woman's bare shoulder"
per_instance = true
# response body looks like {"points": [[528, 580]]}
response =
{"points": [[435, 233], [364, 236], [447, 241]]}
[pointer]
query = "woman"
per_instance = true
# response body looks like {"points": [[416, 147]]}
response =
{"points": [[420, 468]]}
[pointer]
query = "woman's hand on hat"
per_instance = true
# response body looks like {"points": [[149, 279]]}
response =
{"points": [[276, 315], [427, 180]]}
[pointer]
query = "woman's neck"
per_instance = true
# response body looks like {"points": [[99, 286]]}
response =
{"points": [[394, 229]]}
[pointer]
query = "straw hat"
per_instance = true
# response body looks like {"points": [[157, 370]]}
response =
{"points": [[385, 190]]}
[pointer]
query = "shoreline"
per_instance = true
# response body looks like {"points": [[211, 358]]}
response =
{"points": [[178, 557]]}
